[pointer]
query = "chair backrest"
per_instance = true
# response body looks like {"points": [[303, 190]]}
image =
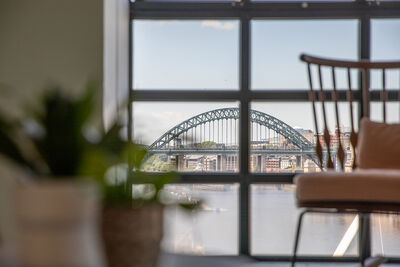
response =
{"points": [[318, 94]]}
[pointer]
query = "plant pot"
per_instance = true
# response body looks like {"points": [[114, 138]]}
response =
{"points": [[57, 224], [132, 236]]}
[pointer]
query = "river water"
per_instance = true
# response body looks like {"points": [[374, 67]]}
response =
{"points": [[213, 229]]}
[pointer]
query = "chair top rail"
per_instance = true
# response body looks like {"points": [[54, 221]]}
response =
{"points": [[362, 64]]}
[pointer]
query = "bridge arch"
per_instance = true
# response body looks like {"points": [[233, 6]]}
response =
{"points": [[261, 118]]}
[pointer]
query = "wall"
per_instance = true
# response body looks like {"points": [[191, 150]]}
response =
{"points": [[45, 42]]}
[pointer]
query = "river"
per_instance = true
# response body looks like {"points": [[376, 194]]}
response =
{"points": [[213, 229]]}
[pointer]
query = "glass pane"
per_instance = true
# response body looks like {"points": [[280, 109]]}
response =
{"points": [[283, 136], [392, 79], [277, 45], [385, 36], [189, 54], [199, 137], [385, 39], [392, 112], [273, 226], [212, 229], [386, 235]]}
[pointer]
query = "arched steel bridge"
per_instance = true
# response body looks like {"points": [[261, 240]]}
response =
{"points": [[263, 119]]}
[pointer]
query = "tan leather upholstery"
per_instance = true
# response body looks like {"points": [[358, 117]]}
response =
{"points": [[372, 185], [378, 145]]}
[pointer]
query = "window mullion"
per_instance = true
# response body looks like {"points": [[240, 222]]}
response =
{"points": [[364, 238], [244, 135]]}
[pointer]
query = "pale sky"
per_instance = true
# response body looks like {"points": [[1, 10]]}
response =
{"points": [[203, 54]]}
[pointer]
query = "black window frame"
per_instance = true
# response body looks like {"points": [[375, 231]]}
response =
{"points": [[245, 11]]}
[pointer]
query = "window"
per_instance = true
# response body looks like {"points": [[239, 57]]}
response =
{"points": [[208, 79], [385, 33]]}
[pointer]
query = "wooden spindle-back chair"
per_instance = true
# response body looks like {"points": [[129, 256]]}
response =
{"points": [[311, 185]]}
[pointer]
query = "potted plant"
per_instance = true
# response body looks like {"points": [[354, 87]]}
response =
{"points": [[132, 214], [133, 200], [57, 212]]}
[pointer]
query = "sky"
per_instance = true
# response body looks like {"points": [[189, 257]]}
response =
{"points": [[203, 54]]}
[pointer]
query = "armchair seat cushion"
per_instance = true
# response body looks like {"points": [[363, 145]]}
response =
{"points": [[360, 188]]}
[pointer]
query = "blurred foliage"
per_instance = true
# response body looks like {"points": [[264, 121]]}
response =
{"points": [[117, 165], [56, 141], [49, 141], [158, 163], [207, 144]]}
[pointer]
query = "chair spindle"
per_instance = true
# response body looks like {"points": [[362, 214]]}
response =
{"points": [[353, 134], [318, 148], [340, 150], [327, 137], [365, 91]]}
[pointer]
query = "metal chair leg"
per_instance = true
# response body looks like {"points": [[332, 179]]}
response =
{"points": [[296, 242], [364, 240]]}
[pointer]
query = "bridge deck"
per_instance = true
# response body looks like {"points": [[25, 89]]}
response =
{"points": [[231, 151]]}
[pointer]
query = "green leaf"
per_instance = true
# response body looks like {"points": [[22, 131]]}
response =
{"points": [[94, 164], [136, 155], [85, 105]]}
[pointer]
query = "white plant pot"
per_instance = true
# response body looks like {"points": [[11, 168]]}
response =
{"points": [[57, 224]]}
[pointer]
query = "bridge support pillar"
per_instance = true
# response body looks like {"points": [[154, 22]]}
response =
{"points": [[263, 165], [258, 163], [221, 162], [299, 161], [179, 162]]}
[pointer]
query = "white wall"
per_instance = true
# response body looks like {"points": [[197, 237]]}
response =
{"points": [[46, 42]]}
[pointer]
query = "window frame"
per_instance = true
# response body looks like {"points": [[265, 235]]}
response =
{"points": [[245, 11]]}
